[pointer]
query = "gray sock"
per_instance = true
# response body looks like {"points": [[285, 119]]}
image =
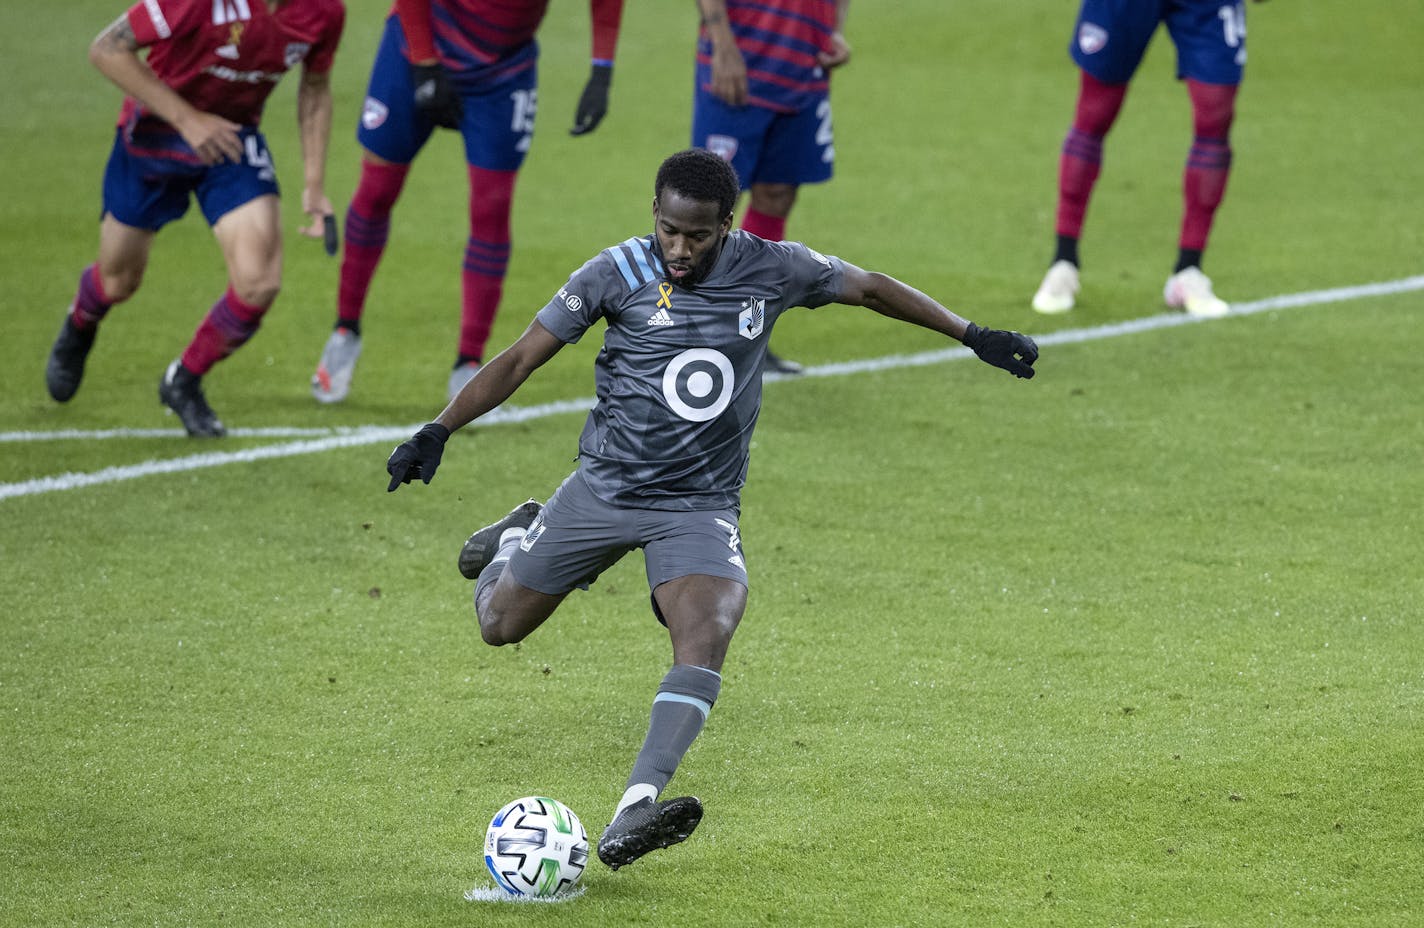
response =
{"points": [[484, 585], [684, 698]]}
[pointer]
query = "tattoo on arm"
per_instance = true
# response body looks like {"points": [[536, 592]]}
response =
{"points": [[119, 37]]}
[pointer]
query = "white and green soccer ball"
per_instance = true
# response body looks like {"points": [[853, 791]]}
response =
{"points": [[536, 846]]}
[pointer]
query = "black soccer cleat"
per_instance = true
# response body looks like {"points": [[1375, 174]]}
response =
{"points": [[480, 547], [780, 365], [646, 826], [182, 392], [65, 368]]}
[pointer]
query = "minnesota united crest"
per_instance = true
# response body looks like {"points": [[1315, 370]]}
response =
{"points": [[752, 319]]}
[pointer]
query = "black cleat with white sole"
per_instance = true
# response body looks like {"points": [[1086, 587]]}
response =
{"points": [[647, 826], [182, 391], [480, 548]]}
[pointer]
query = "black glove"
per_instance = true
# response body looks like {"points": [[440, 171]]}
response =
{"points": [[593, 104], [328, 230], [1013, 352], [435, 96], [417, 457]]}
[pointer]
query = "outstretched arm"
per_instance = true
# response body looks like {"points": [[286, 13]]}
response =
{"points": [[1011, 351], [419, 456], [115, 53]]}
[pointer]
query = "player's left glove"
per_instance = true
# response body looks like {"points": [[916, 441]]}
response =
{"points": [[1011, 351], [435, 96], [593, 104], [417, 457]]}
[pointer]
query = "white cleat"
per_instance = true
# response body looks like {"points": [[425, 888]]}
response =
{"points": [[1060, 285], [461, 376], [1190, 290], [332, 380]]}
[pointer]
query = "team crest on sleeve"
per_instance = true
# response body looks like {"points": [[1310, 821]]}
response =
{"points": [[752, 319], [1091, 38], [373, 113]]}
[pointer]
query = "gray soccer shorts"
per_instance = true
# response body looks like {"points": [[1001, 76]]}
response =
{"points": [[578, 536]]}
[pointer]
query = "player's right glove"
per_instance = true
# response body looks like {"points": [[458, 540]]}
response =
{"points": [[417, 457], [435, 96], [1011, 351]]}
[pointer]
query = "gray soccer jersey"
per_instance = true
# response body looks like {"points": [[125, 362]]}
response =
{"points": [[678, 380]]}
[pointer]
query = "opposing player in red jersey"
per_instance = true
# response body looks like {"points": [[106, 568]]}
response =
{"points": [[468, 65], [1109, 39], [762, 100], [189, 127]]}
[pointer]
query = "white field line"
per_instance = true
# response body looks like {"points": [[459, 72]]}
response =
{"points": [[316, 440]]}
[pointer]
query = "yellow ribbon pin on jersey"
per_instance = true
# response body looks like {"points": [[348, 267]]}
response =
{"points": [[665, 300]]}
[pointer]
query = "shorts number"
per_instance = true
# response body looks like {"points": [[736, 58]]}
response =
{"points": [[259, 157], [526, 103], [1233, 24], [824, 137]]}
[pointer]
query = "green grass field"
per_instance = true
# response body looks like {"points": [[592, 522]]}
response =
{"points": [[1135, 643]]}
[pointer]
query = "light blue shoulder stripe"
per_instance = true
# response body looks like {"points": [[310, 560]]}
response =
{"points": [[623, 267], [646, 259]]}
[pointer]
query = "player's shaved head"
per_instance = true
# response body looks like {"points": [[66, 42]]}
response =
{"points": [[698, 174]]}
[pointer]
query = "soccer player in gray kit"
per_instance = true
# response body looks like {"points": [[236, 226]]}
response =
{"points": [[663, 456]]}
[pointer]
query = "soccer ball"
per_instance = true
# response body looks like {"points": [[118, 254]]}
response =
{"points": [[536, 846]]}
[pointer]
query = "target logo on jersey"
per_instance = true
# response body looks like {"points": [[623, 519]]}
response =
{"points": [[698, 384]]}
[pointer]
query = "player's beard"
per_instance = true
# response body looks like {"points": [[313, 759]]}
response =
{"points": [[699, 271]]}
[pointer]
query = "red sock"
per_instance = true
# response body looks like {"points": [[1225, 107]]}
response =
{"points": [[486, 257], [1209, 162], [91, 304], [1082, 158], [226, 328], [763, 225], [368, 224]]}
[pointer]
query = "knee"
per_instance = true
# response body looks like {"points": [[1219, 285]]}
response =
{"points": [[258, 290], [121, 284], [496, 630], [773, 199]]}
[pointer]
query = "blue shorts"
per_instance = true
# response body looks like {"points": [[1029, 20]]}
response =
{"points": [[764, 146], [497, 119], [149, 178], [1111, 36], [578, 536]]}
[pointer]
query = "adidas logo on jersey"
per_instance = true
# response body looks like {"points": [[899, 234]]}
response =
{"points": [[660, 317]]}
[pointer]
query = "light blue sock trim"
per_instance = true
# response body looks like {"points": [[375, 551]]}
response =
{"points": [[701, 705]]}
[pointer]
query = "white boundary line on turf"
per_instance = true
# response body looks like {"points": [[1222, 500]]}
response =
{"points": [[317, 440]]}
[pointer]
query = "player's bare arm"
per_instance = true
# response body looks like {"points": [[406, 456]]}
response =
{"points": [[499, 377], [314, 109], [839, 52], [729, 68], [114, 52], [898, 300], [1009, 351]]}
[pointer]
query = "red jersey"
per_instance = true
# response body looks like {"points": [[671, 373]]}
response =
{"points": [[225, 56], [468, 34]]}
